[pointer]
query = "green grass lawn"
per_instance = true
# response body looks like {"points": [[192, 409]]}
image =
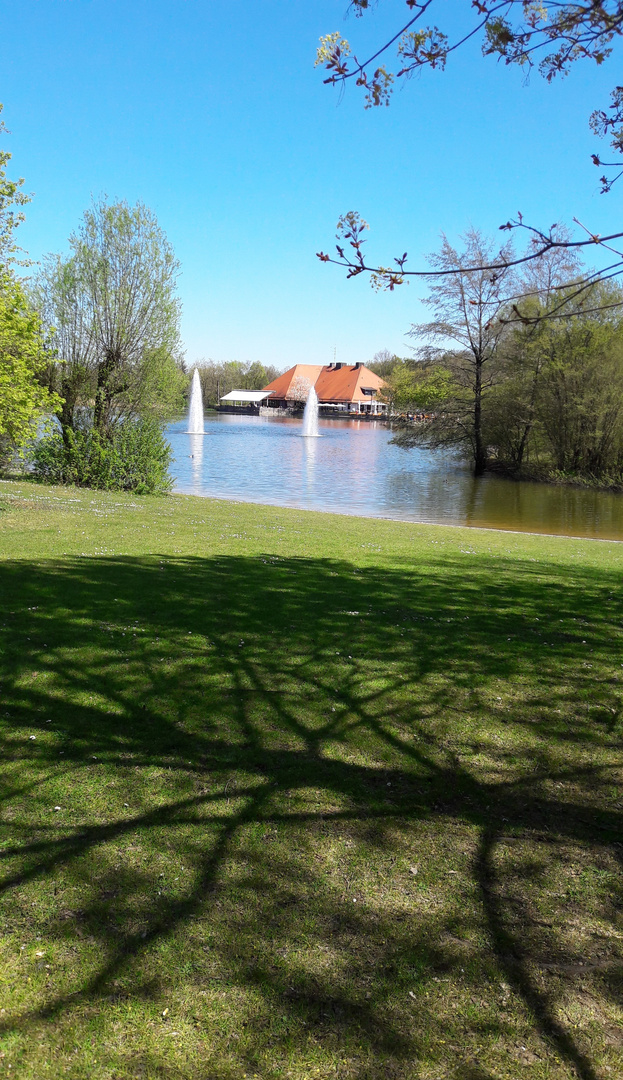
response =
{"points": [[288, 794]]}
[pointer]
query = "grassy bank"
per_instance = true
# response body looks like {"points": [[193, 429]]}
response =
{"points": [[293, 795]]}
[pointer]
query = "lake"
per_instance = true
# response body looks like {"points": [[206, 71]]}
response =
{"points": [[352, 469]]}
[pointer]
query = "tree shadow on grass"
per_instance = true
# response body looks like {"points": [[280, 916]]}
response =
{"points": [[329, 805]]}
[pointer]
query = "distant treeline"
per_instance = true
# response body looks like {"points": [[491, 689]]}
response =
{"points": [[219, 379]]}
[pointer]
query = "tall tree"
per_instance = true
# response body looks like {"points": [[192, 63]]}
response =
{"points": [[23, 353], [114, 312], [580, 400], [128, 271], [547, 289], [466, 332]]}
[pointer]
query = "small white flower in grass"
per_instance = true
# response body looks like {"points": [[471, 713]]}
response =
{"points": [[57, 807], [32, 737]]}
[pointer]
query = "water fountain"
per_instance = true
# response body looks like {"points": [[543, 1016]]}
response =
{"points": [[310, 416], [195, 412]]}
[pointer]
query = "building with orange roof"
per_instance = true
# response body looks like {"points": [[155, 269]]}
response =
{"points": [[342, 388]]}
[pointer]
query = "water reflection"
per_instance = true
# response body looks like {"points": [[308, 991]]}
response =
{"points": [[311, 460], [353, 470], [195, 445]]}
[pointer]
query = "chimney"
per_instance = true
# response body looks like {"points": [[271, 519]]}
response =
{"points": [[337, 366], [359, 364]]}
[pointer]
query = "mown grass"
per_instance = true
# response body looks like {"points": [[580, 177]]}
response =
{"points": [[293, 795]]}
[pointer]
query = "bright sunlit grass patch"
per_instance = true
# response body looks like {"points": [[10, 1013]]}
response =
{"points": [[293, 795]]}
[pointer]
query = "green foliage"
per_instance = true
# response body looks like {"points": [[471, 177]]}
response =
{"points": [[23, 360], [412, 386], [384, 362], [113, 313], [133, 456], [23, 355], [581, 401], [558, 407], [59, 298], [159, 386], [416, 388]]}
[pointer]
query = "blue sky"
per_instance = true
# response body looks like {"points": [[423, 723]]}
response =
{"points": [[211, 112]]}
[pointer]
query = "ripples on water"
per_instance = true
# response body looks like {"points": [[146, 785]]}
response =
{"points": [[353, 470]]}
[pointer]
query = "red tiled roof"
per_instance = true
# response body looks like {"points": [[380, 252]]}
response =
{"points": [[344, 384], [347, 383], [285, 386]]}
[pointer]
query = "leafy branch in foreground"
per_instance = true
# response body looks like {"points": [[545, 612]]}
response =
{"points": [[516, 31], [549, 33]]}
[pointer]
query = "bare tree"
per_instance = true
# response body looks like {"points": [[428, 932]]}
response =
{"points": [[466, 332]]}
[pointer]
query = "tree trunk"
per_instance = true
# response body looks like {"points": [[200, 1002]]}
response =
{"points": [[66, 412], [104, 392], [480, 453]]}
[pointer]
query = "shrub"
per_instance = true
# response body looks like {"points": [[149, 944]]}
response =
{"points": [[135, 456]]}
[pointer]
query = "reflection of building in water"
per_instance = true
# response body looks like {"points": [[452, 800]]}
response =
{"points": [[342, 389], [196, 455]]}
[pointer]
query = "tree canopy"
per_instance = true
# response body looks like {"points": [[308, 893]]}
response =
{"points": [[113, 313], [23, 353], [23, 362], [12, 198]]}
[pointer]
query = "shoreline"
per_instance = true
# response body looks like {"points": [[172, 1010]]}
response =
{"points": [[236, 500], [397, 521]]}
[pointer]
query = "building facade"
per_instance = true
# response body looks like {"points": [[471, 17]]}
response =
{"points": [[341, 389]]}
